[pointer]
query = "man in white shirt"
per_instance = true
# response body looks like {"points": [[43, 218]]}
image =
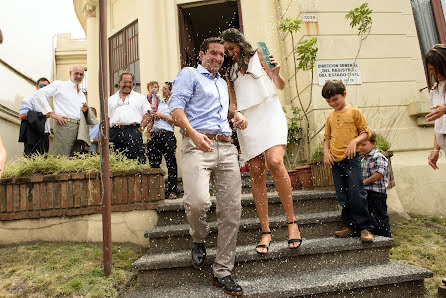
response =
{"points": [[35, 126], [69, 101], [129, 113]]}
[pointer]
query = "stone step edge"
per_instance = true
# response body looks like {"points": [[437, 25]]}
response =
{"points": [[303, 283], [358, 277], [278, 249], [246, 224], [273, 197]]}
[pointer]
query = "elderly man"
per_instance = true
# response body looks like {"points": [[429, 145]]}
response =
{"points": [[69, 102], [129, 113], [35, 126], [199, 106]]}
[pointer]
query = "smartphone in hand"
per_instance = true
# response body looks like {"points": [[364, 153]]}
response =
{"points": [[265, 53]]}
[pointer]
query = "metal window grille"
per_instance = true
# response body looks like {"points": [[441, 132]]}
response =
{"points": [[124, 55]]}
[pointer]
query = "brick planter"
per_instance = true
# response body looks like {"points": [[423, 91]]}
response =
{"points": [[70, 194]]}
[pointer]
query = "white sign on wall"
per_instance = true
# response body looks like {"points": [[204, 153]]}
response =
{"points": [[309, 18], [338, 70]]}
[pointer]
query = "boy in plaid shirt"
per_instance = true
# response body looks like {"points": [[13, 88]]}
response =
{"points": [[375, 173]]}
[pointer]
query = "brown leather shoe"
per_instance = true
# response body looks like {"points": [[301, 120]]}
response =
{"points": [[366, 236], [344, 233]]}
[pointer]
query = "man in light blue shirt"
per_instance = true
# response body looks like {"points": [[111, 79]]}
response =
{"points": [[199, 106], [94, 133], [35, 126]]}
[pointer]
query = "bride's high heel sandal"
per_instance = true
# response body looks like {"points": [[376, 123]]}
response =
{"points": [[263, 245], [294, 240]]}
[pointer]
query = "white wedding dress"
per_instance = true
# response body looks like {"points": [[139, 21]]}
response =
{"points": [[257, 99]]}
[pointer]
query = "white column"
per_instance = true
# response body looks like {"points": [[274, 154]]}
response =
{"points": [[89, 10]]}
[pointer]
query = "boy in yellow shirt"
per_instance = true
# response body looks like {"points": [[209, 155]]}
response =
{"points": [[345, 129]]}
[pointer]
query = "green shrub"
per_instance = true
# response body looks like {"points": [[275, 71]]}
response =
{"points": [[381, 143], [294, 124], [318, 152], [49, 164]]}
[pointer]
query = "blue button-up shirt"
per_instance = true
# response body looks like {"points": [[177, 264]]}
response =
{"points": [[94, 134], [30, 104], [203, 98], [161, 124]]}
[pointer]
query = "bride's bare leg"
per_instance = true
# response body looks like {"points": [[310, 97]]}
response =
{"points": [[257, 170], [274, 161]]}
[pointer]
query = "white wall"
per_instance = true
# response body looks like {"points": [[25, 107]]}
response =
{"points": [[14, 89]]}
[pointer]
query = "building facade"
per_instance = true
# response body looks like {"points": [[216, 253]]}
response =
{"points": [[156, 38]]}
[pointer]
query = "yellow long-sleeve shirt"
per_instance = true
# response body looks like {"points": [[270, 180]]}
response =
{"points": [[343, 126]]}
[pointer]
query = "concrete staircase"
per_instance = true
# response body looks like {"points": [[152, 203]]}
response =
{"points": [[324, 266]]}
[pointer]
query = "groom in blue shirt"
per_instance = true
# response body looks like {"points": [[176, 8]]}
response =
{"points": [[199, 106]]}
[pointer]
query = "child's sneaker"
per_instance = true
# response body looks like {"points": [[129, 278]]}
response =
{"points": [[366, 236], [344, 233]]}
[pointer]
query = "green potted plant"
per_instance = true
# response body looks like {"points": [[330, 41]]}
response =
{"points": [[294, 136], [383, 145], [301, 176], [304, 58], [294, 125]]}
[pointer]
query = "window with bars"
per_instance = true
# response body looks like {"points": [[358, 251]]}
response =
{"points": [[430, 22], [430, 18], [124, 55]]}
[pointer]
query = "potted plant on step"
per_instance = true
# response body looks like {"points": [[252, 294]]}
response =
{"points": [[301, 176], [291, 153], [383, 145]]}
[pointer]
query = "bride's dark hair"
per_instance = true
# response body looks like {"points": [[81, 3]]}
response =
{"points": [[246, 50]]}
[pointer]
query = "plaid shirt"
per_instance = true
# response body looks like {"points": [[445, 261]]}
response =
{"points": [[374, 162]]}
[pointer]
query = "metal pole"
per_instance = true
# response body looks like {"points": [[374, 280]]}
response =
{"points": [[105, 162]]}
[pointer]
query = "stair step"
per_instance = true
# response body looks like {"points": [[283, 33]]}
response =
{"points": [[382, 280], [320, 253], [171, 212], [312, 225]]}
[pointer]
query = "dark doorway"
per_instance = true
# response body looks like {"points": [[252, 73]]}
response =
{"points": [[204, 20]]}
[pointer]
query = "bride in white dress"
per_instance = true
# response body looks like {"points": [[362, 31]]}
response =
{"points": [[252, 91]]}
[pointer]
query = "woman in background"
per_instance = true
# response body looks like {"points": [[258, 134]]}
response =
{"points": [[436, 64]]}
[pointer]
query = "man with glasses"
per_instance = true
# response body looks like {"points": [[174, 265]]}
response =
{"points": [[69, 103], [129, 113], [35, 126]]}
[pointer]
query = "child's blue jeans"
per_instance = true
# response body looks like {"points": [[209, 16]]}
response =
{"points": [[351, 194]]}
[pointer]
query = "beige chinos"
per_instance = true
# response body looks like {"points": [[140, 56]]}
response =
{"points": [[221, 166]]}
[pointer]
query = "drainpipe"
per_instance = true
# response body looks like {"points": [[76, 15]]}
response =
{"points": [[53, 57]]}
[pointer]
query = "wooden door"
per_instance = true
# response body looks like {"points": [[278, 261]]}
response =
{"points": [[187, 48]]}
